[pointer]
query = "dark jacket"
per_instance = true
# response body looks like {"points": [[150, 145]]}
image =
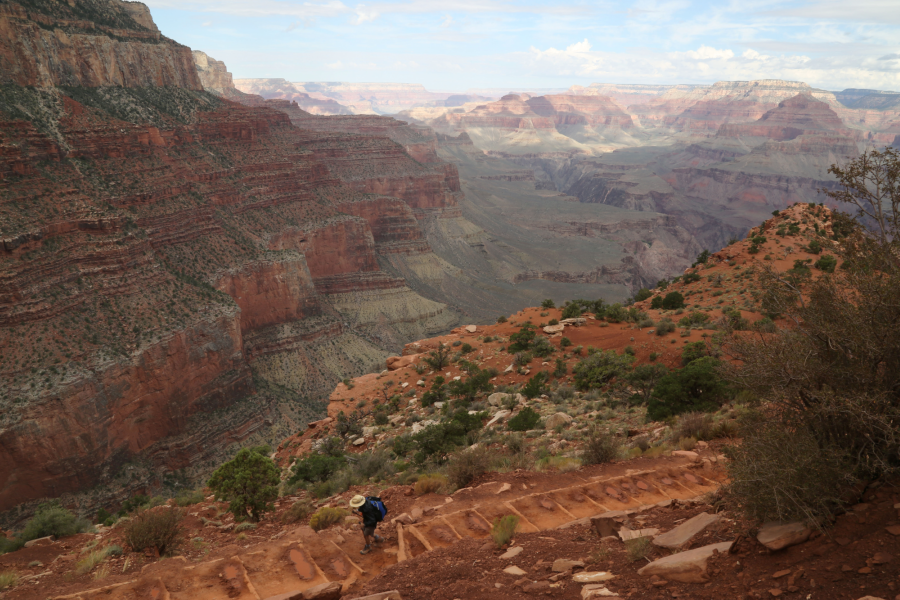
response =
{"points": [[370, 514]]}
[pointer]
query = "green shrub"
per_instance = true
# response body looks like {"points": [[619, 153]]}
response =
{"points": [[638, 548], [52, 519], [642, 294], [656, 303], [665, 326], [373, 464], [673, 300], [645, 377], [87, 564], [249, 482], [501, 319], [430, 484], [542, 347], [695, 318], [571, 311], [504, 529], [696, 425], [526, 419], [599, 368], [439, 358], [8, 579], [156, 528], [599, 447], [326, 516], [826, 263], [463, 467], [245, 526], [548, 303], [522, 339], [692, 352], [515, 443], [690, 278], [536, 385], [696, 387], [814, 247], [780, 474], [188, 497], [561, 368], [616, 313], [565, 342], [299, 511]]}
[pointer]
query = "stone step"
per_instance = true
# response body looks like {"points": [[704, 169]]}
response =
{"points": [[303, 561]]}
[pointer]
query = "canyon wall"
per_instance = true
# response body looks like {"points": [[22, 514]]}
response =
{"points": [[158, 242], [89, 43]]}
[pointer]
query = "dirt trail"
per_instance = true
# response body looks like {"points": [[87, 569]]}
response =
{"points": [[300, 558]]}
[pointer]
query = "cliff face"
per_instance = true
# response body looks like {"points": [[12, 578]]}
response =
{"points": [[89, 43], [214, 76], [158, 242]]}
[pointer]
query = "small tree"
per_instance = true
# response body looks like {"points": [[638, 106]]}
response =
{"points": [[673, 300], [535, 386], [548, 303], [645, 377], [439, 358], [522, 339], [696, 387], [599, 368], [249, 482], [572, 310], [642, 294]]}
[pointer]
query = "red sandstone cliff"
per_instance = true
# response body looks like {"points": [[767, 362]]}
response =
{"points": [[149, 258], [89, 43]]}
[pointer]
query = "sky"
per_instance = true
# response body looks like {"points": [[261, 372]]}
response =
{"points": [[459, 45]]}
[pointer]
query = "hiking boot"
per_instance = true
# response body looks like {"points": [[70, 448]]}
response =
{"points": [[365, 550], [378, 539]]}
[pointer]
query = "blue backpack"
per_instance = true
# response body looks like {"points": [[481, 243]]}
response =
{"points": [[376, 503]]}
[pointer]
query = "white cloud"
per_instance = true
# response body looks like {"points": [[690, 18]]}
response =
{"points": [[583, 46], [447, 22], [707, 53], [363, 15]]}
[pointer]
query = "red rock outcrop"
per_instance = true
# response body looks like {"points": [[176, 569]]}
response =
{"points": [[50, 44]]}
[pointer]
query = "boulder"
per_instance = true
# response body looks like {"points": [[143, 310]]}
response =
{"points": [[471, 328], [391, 595], [512, 553], [359, 441], [633, 534], [560, 565], [501, 414], [420, 383], [325, 591], [556, 420], [368, 431], [684, 533], [398, 362], [513, 570], [504, 488], [776, 536], [320, 424], [41, 541], [551, 329], [592, 577], [686, 567], [608, 523], [497, 398], [596, 590], [576, 321], [404, 518], [686, 454]]}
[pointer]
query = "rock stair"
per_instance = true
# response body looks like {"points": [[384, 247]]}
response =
{"points": [[300, 559]]}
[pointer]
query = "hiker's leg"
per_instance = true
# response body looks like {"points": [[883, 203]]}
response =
{"points": [[378, 538], [367, 532]]}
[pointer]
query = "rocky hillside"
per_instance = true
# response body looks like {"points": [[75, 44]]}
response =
{"points": [[649, 521]]}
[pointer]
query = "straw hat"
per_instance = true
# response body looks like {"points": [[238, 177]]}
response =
{"points": [[357, 501]]}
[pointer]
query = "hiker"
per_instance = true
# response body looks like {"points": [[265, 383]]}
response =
{"points": [[372, 511]]}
